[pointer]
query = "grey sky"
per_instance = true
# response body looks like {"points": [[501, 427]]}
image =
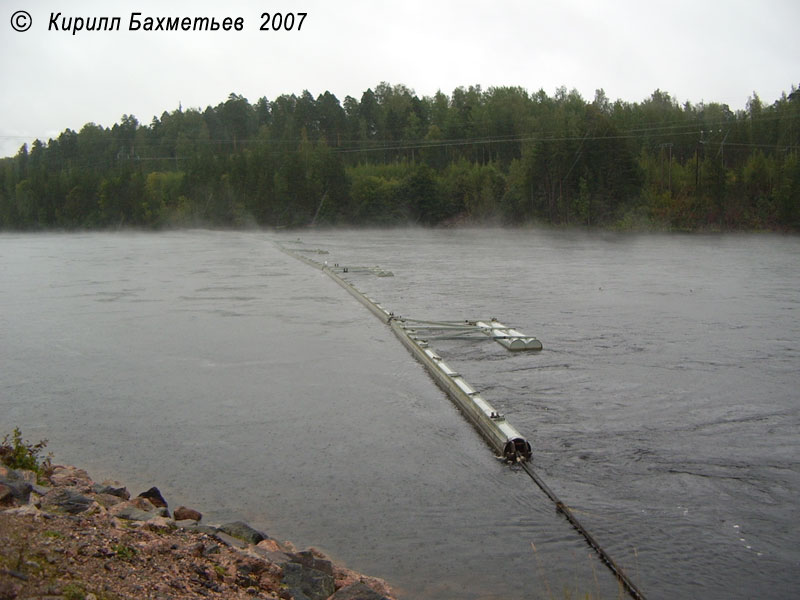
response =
{"points": [[701, 50]]}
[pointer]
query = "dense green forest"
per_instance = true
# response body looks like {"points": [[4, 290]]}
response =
{"points": [[501, 155]]}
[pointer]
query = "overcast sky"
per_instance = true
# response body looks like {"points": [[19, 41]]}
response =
{"points": [[697, 50]]}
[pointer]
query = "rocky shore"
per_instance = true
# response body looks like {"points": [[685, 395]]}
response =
{"points": [[66, 537]]}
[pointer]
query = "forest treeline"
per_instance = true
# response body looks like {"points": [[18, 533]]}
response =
{"points": [[501, 155]]}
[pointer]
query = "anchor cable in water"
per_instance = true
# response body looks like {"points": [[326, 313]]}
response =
{"points": [[623, 578]]}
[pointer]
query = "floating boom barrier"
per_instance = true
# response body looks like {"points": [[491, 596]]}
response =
{"points": [[500, 434]]}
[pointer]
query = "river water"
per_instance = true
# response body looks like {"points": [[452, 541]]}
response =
{"points": [[664, 408]]}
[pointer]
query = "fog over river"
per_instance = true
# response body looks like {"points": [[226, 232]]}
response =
{"points": [[664, 408]]}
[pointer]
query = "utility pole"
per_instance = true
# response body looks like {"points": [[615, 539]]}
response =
{"points": [[721, 152], [669, 167], [697, 163], [669, 170]]}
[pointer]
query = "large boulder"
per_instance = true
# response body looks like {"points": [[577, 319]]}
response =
{"points": [[307, 558], [242, 531], [65, 499], [131, 513], [307, 584], [112, 488], [357, 591]]}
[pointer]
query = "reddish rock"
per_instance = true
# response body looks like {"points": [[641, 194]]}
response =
{"points": [[270, 545], [346, 578], [137, 509], [71, 476], [141, 504], [186, 514]]}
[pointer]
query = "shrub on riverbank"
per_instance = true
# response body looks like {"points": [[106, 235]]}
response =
{"points": [[18, 454]]}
